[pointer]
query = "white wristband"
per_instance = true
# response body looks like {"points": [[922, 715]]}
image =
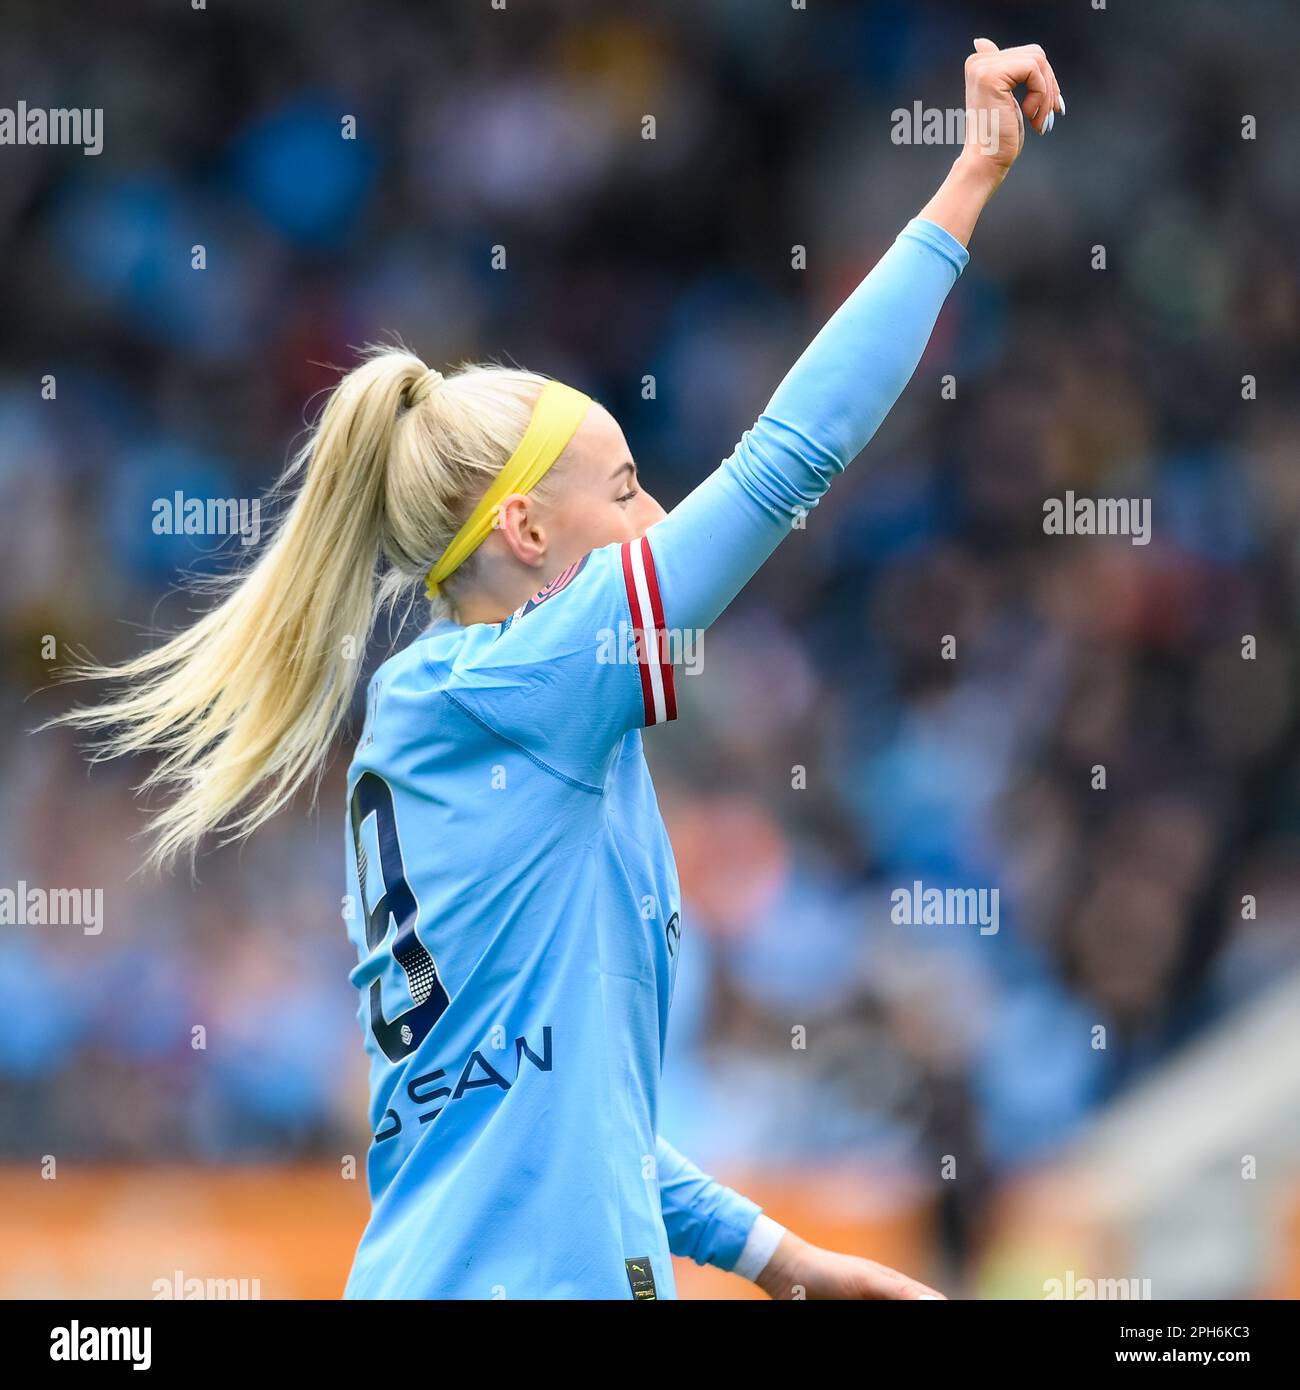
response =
{"points": [[764, 1236]]}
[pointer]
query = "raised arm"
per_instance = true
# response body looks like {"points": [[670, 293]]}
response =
{"points": [[829, 405], [840, 390], [824, 412]]}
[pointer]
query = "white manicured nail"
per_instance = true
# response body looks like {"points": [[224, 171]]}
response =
{"points": [[1060, 103]]}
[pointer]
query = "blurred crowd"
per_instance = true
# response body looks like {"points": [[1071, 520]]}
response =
{"points": [[835, 747]]}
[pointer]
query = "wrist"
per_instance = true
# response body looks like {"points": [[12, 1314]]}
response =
{"points": [[760, 1245], [971, 182], [779, 1277], [977, 173]]}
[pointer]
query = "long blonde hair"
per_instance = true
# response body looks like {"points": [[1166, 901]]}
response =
{"points": [[243, 706]]}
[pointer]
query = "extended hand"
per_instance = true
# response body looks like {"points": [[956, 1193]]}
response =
{"points": [[800, 1270], [995, 128]]}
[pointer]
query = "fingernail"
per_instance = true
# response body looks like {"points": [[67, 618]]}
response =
{"points": [[1060, 103], [1049, 122]]}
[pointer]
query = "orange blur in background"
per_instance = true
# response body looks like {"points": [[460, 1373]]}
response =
{"points": [[290, 1232]]}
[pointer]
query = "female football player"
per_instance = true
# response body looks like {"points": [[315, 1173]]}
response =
{"points": [[512, 892]]}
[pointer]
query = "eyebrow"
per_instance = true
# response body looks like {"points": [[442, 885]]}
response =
{"points": [[628, 467]]}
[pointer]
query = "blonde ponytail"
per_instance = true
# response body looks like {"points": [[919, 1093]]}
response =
{"points": [[243, 706]]}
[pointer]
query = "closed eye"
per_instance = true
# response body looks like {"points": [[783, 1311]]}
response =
{"points": [[630, 469]]}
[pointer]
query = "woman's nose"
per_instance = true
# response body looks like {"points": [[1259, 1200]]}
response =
{"points": [[650, 512]]}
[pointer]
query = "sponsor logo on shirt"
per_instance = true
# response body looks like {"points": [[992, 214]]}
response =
{"points": [[431, 1091]]}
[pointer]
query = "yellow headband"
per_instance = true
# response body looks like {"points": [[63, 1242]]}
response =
{"points": [[557, 414]]}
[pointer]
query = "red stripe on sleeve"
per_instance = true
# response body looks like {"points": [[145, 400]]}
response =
{"points": [[638, 630], [662, 653]]}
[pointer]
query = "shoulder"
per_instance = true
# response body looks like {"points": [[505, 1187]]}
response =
{"points": [[599, 626], [581, 587], [564, 677], [618, 582], [558, 585]]}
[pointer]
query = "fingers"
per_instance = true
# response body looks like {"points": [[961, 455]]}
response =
{"points": [[1031, 68], [1043, 99], [1055, 106], [899, 1286], [868, 1280], [1028, 65], [1040, 99]]}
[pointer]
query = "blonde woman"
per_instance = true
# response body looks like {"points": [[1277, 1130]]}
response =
{"points": [[517, 917]]}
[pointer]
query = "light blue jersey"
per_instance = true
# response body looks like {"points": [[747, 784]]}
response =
{"points": [[517, 914]]}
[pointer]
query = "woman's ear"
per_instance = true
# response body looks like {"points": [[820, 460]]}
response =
{"points": [[519, 527]]}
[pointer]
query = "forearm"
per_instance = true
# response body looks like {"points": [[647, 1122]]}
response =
{"points": [[963, 195], [836, 396], [705, 1220], [820, 417]]}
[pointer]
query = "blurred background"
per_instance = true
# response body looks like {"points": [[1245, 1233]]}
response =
{"points": [[955, 1110]]}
